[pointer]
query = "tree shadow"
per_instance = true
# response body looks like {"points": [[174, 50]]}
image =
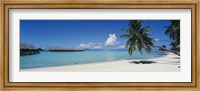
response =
{"points": [[142, 62], [176, 58]]}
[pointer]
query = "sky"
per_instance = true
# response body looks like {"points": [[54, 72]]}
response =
{"points": [[87, 34]]}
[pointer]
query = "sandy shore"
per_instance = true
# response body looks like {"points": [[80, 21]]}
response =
{"points": [[167, 63]]}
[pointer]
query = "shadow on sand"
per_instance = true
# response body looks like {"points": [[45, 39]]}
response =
{"points": [[142, 62], [176, 58]]}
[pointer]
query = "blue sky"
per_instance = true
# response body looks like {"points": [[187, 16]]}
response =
{"points": [[88, 34]]}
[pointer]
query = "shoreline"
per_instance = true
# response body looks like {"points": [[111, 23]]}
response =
{"points": [[167, 63]]}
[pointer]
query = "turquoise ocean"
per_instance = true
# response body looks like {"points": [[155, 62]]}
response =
{"points": [[50, 59]]}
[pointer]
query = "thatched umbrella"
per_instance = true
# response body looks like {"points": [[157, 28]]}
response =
{"points": [[27, 46]]}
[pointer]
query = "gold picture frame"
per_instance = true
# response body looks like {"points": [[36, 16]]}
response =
{"points": [[153, 86]]}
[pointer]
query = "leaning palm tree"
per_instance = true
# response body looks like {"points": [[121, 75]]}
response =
{"points": [[173, 31], [138, 37]]}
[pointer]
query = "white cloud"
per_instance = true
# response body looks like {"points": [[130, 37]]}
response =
{"points": [[122, 47], [156, 39], [82, 45], [91, 46], [112, 40]]}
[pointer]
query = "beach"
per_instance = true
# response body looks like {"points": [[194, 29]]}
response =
{"points": [[167, 63]]}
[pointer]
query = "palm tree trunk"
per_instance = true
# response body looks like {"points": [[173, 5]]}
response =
{"points": [[165, 49]]}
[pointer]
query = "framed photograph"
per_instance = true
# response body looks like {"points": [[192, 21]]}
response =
{"points": [[100, 45]]}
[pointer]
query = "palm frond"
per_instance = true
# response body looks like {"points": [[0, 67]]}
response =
{"points": [[138, 37], [125, 36], [132, 48], [128, 42], [145, 30]]}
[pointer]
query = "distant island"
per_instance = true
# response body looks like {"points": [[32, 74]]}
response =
{"points": [[66, 49]]}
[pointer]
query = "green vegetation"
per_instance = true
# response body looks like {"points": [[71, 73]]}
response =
{"points": [[173, 31], [138, 37]]}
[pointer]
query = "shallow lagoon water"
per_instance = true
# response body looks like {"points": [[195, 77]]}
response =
{"points": [[50, 59]]}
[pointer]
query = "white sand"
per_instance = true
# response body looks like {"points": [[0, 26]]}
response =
{"points": [[167, 63]]}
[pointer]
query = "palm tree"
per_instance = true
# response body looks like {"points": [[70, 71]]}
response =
{"points": [[138, 37], [163, 46], [173, 31]]}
